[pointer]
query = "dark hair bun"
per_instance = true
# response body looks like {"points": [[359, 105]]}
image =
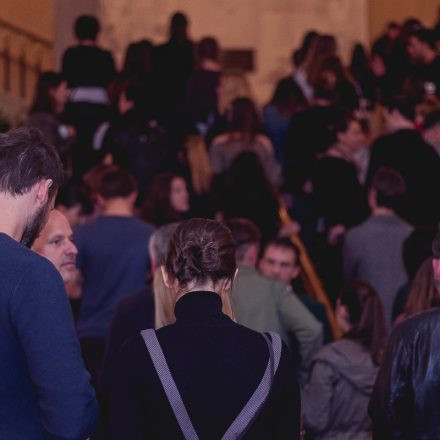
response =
{"points": [[200, 251]]}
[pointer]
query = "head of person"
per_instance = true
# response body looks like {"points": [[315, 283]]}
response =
{"points": [[247, 238], [421, 46], [201, 256], [233, 84], [208, 49], [30, 175], [431, 129], [424, 293], [55, 243], [360, 315], [386, 189], [348, 134], [167, 200], [280, 260], [179, 27], [243, 118], [393, 30], [163, 297], [117, 186], [399, 112], [288, 97], [87, 28], [138, 60], [51, 94], [300, 55], [73, 202]]}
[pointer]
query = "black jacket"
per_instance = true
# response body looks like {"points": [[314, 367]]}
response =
{"points": [[405, 400], [419, 164], [216, 363]]}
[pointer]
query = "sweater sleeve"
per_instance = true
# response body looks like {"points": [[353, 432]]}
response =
{"points": [[306, 327], [41, 316], [317, 397]]}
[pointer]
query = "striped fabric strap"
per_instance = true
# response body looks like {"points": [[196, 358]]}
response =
{"points": [[247, 415]]}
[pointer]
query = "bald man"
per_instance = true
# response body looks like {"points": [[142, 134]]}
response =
{"points": [[55, 243]]}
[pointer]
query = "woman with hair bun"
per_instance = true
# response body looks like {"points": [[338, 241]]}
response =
{"points": [[344, 372], [203, 377]]}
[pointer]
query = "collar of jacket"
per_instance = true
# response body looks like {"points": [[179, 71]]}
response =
{"points": [[199, 304]]}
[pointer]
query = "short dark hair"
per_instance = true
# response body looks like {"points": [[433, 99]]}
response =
{"points": [[208, 49], [117, 183], [426, 36], [286, 243], [436, 246], [25, 159], [403, 105], [71, 194], [86, 27], [389, 186], [201, 250], [245, 234]]}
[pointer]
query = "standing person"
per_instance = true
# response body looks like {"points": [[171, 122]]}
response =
{"points": [[405, 151], [404, 403], [173, 64], [202, 87], [373, 251], [280, 260], [88, 70], [216, 364], [264, 304], [44, 391], [343, 372], [51, 94], [113, 259]]}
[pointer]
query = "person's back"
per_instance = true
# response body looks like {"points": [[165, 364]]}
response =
{"points": [[44, 391], [373, 250], [404, 401], [88, 66], [348, 366], [343, 373], [113, 258], [215, 363], [373, 253], [26, 302]]}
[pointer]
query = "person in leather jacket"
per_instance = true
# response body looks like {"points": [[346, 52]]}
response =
{"points": [[404, 403]]}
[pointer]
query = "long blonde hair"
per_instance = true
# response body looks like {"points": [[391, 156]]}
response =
{"points": [[198, 161], [164, 302], [424, 294]]}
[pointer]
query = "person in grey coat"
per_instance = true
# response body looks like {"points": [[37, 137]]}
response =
{"points": [[372, 251], [343, 372]]}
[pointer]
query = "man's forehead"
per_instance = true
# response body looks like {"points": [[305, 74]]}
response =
{"points": [[279, 253], [57, 225]]}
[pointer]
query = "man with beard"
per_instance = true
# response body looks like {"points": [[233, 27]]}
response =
{"points": [[44, 391], [404, 403]]}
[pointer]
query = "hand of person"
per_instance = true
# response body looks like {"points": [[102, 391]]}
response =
{"points": [[290, 228], [335, 234]]}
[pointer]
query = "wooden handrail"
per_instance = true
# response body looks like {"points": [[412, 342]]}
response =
{"points": [[24, 33], [312, 283]]}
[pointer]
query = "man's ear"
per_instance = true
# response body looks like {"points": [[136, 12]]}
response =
{"points": [[42, 194]]}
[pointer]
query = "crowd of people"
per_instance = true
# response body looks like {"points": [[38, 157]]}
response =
{"points": [[193, 313]]}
